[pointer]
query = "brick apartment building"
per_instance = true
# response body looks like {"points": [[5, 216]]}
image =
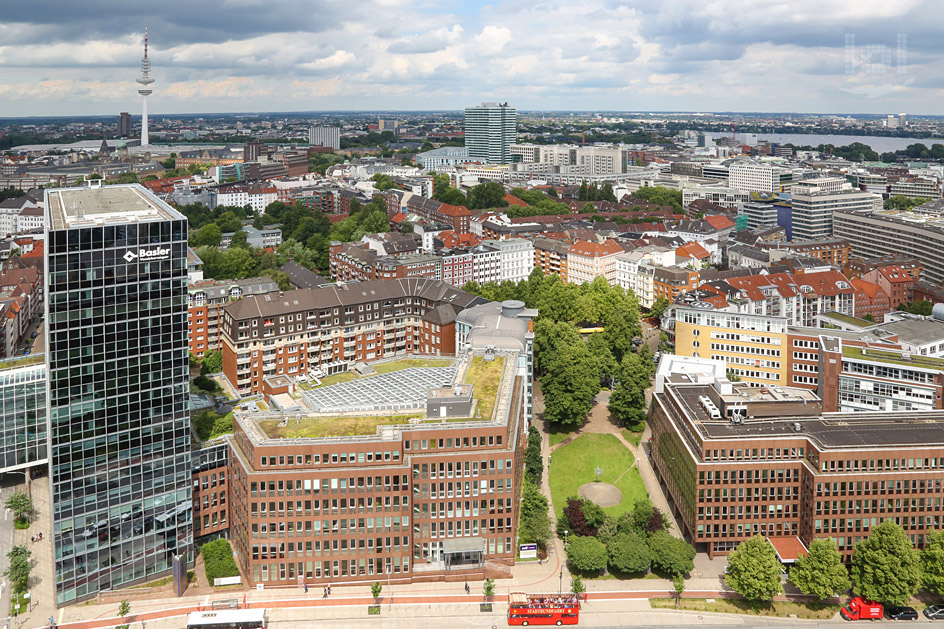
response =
{"points": [[738, 461], [435, 498], [205, 301], [330, 328]]}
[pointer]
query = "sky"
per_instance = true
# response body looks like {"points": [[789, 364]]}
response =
{"points": [[60, 57]]}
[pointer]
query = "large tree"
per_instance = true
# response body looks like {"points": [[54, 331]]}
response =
{"points": [[671, 555], [933, 560], [821, 572], [628, 552], [535, 523], [754, 570], [586, 554], [569, 386], [885, 566], [490, 194]]}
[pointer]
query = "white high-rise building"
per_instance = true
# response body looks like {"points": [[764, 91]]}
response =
{"points": [[325, 136], [815, 201], [145, 80], [490, 130]]}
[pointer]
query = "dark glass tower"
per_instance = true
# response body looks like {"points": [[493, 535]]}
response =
{"points": [[116, 312]]}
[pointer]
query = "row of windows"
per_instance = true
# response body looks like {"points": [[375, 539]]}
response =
{"points": [[307, 486], [743, 349], [751, 454]]}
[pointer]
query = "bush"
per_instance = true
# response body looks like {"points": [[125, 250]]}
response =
{"points": [[587, 554], [628, 552], [218, 560], [205, 383], [574, 516], [671, 555]]}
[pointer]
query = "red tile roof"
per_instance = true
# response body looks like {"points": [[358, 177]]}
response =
{"points": [[693, 250], [595, 249], [719, 222], [513, 200]]}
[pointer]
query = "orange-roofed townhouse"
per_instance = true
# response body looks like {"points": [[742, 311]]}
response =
{"points": [[870, 299], [587, 260], [896, 281]]}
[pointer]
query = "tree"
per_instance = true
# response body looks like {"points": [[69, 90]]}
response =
{"points": [[124, 608], [678, 583], [18, 570], [239, 240], [576, 519], [628, 552], [490, 194], [576, 585], [212, 363], [606, 366], [209, 235], [885, 566], [218, 560], [534, 523], [533, 458], [659, 307], [21, 505], [569, 385], [671, 555], [587, 554], [488, 588], [375, 589], [821, 572], [451, 196], [754, 570], [933, 560]]}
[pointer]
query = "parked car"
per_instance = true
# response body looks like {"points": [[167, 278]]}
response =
{"points": [[934, 612], [902, 613]]}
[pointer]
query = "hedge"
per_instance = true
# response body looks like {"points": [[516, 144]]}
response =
{"points": [[218, 560]]}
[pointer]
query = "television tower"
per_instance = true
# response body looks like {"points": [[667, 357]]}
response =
{"points": [[145, 80]]}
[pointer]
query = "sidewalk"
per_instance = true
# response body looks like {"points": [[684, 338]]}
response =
{"points": [[42, 582]]}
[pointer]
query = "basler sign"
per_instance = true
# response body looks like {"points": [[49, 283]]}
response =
{"points": [[153, 254]]}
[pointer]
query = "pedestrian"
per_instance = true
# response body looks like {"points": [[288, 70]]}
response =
{"points": [[329, 589], [325, 593], [306, 588], [32, 539]]}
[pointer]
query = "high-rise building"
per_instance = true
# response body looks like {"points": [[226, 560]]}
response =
{"points": [[490, 130], [815, 201], [118, 387], [124, 124], [325, 136]]}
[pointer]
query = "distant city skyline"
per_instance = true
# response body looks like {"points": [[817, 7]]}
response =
{"points": [[802, 56]]}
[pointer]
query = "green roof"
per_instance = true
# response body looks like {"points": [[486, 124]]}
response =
{"points": [[884, 356], [22, 361], [838, 316]]}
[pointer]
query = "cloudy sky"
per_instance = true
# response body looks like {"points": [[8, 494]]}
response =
{"points": [[60, 57]]}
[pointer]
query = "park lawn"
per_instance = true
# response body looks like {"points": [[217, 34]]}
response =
{"points": [[315, 427], [573, 465], [558, 434], [782, 609], [632, 437]]}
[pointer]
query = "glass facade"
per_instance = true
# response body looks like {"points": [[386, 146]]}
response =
{"points": [[118, 392], [22, 412]]}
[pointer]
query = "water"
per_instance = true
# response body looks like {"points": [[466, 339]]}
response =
{"points": [[878, 144]]}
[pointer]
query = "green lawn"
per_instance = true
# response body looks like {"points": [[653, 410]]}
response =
{"points": [[573, 465], [558, 434], [314, 427], [408, 363], [484, 376], [782, 609], [632, 437]]}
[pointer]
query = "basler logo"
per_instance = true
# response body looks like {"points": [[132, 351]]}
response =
{"points": [[147, 255]]}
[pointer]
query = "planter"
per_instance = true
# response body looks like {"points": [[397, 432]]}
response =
{"points": [[373, 610], [485, 607]]}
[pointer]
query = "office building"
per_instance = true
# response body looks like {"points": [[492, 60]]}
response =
{"points": [[739, 461], [815, 203], [490, 130], [23, 437], [124, 124], [118, 388], [433, 492], [325, 136], [879, 233], [752, 176]]}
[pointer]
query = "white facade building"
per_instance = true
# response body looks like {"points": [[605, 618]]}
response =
{"points": [[517, 258], [325, 136]]}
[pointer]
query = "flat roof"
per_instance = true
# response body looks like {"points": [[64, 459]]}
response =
{"points": [[892, 356], [833, 430], [131, 203], [915, 331], [789, 549]]}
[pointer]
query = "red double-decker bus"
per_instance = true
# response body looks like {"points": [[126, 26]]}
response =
{"points": [[543, 609]]}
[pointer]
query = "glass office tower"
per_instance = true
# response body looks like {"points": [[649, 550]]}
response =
{"points": [[490, 130], [116, 313], [23, 440]]}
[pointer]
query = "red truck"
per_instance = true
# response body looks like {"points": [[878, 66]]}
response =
{"points": [[862, 609]]}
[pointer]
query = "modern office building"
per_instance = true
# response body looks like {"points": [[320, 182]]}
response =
{"points": [[23, 441], [490, 130], [325, 136], [738, 461], [431, 493], [815, 203], [118, 388], [876, 233]]}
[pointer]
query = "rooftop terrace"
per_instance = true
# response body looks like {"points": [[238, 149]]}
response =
{"points": [[897, 358], [76, 207]]}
